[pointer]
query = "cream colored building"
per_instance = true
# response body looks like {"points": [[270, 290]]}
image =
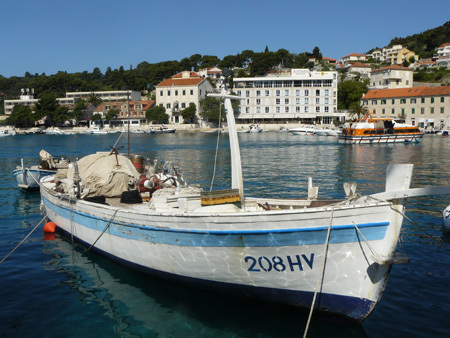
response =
{"points": [[391, 77], [425, 107], [295, 95], [394, 55], [443, 56], [178, 92]]}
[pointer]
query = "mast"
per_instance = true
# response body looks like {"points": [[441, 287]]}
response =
{"points": [[236, 166]]}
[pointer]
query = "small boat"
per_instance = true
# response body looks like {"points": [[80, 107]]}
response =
{"points": [[307, 130], [279, 250], [28, 177], [53, 131], [379, 130], [446, 218], [255, 129], [97, 131], [5, 132], [162, 130]]}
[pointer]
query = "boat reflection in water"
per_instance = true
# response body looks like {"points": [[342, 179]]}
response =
{"points": [[157, 308]]}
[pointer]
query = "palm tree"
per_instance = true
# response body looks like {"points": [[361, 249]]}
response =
{"points": [[94, 99], [358, 110]]}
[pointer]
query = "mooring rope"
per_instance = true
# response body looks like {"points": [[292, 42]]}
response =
{"points": [[106, 227], [319, 280], [23, 240], [370, 248]]}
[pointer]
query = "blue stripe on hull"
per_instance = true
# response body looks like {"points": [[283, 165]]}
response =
{"points": [[351, 307], [208, 238]]}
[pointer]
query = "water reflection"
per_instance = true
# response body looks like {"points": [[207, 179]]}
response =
{"points": [[145, 306]]}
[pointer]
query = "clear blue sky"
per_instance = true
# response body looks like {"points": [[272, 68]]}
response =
{"points": [[47, 36]]}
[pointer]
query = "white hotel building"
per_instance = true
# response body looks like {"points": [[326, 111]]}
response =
{"points": [[297, 95]]}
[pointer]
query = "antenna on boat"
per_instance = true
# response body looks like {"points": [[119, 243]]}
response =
{"points": [[236, 166]]}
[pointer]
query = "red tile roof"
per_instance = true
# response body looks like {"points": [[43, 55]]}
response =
{"points": [[181, 82], [394, 67], [191, 74], [353, 54], [444, 44], [360, 64], [406, 92]]}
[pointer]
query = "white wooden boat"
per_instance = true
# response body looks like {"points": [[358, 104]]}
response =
{"points": [[285, 251], [53, 131], [162, 130], [446, 218], [5, 132]]}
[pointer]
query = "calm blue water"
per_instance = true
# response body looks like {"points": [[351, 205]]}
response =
{"points": [[53, 288]]}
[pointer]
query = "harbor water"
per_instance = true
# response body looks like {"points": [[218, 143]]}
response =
{"points": [[54, 288]]}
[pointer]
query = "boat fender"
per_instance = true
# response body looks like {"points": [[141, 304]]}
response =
{"points": [[144, 184], [50, 227], [446, 218]]}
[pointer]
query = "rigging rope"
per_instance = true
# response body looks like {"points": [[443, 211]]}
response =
{"points": [[106, 227], [319, 280], [217, 146]]}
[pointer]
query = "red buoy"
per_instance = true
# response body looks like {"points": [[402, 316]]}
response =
{"points": [[50, 227]]}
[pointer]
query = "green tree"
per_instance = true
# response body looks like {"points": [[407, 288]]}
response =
{"points": [[80, 106], [157, 114], [94, 99], [358, 109], [350, 92], [112, 114], [47, 106], [188, 113], [22, 117], [97, 117], [212, 109]]}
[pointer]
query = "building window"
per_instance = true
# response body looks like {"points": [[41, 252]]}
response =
{"points": [[306, 109], [327, 110], [317, 109], [184, 92], [317, 100], [247, 93], [374, 102], [267, 110], [183, 105], [286, 101], [297, 109], [286, 109], [306, 100], [258, 93], [413, 101], [238, 93], [432, 110], [258, 101], [168, 93], [327, 100], [297, 92], [393, 111], [442, 99], [327, 92], [422, 110], [267, 93], [317, 92], [402, 101], [277, 109], [176, 92], [383, 111], [168, 106], [286, 93], [277, 101], [413, 110], [306, 92], [422, 100], [432, 100], [297, 100], [403, 112], [442, 110], [383, 101], [277, 93], [393, 101], [258, 110], [161, 93], [247, 110]]}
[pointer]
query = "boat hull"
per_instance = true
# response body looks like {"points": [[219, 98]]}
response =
{"points": [[28, 178], [385, 138], [280, 262]]}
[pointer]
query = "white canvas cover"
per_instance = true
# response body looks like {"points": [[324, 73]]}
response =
{"points": [[104, 175]]}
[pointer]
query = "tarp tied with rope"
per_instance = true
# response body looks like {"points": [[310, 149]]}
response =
{"points": [[103, 174]]}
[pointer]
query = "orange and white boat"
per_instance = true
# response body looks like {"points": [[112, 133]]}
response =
{"points": [[379, 130]]}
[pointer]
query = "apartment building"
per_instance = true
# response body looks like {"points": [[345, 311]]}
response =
{"points": [[394, 55], [443, 56], [295, 95], [178, 92], [391, 77], [27, 98], [135, 110], [425, 107]]}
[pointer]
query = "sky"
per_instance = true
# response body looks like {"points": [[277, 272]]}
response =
{"points": [[48, 36]]}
